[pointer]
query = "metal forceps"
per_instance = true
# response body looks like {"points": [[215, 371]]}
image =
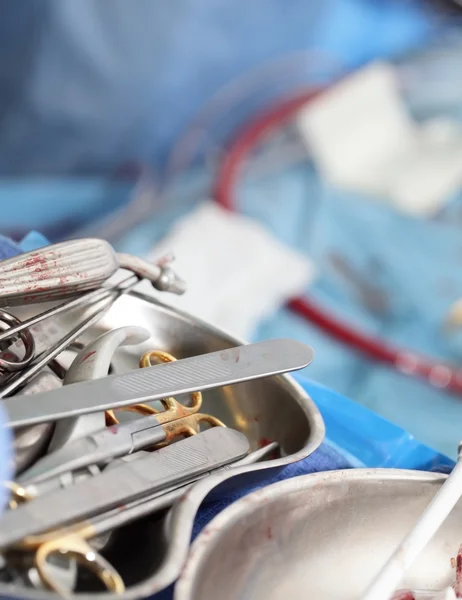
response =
{"points": [[116, 441], [130, 481], [203, 372]]}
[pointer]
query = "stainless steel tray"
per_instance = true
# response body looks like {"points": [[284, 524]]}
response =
{"points": [[321, 536], [275, 409]]}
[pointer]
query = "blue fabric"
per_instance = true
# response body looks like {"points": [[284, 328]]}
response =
{"points": [[368, 440], [8, 248], [95, 87], [57, 206]]}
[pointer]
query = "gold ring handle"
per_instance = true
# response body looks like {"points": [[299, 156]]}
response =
{"points": [[188, 426], [78, 549], [196, 397], [173, 408]]}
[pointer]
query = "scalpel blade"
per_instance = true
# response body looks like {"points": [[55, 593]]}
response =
{"points": [[197, 373]]}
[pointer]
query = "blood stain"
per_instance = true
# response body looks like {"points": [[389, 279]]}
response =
{"points": [[262, 442], [87, 356]]}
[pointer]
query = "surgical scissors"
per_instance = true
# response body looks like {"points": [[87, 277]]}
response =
{"points": [[73, 542], [37, 576], [102, 446], [7, 321], [173, 408], [115, 518], [44, 545]]}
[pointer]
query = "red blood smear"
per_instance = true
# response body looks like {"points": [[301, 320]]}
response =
{"points": [[262, 442], [458, 583], [40, 262], [87, 356], [7, 355], [403, 595]]}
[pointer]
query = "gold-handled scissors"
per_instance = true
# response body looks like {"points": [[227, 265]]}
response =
{"points": [[173, 408], [70, 541], [157, 429]]}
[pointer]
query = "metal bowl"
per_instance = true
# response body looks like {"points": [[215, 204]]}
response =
{"points": [[273, 409], [321, 536]]}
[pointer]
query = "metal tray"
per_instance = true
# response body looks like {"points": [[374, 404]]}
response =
{"points": [[275, 409], [319, 536]]}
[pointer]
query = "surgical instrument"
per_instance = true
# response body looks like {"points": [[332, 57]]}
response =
{"points": [[30, 442], [21, 566], [101, 524], [14, 363], [112, 442], [203, 372], [50, 270], [116, 518], [100, 445], [60, 271], [136, 479]]}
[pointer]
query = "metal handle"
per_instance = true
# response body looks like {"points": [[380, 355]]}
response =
{"points": [[81, 551], [25, 335]]}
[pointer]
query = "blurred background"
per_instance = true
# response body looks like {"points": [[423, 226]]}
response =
{"points": [[297, 149]]}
